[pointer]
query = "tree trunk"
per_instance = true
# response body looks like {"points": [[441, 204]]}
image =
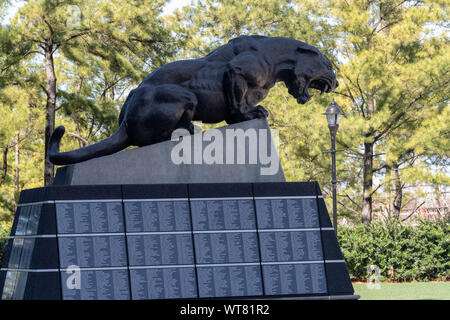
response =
{"points": [[74, 115], [367, 183], [368, 166], [50, 108], [398, 192], [5, 165], [16, 172]]}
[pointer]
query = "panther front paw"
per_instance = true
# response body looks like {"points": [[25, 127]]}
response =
{"points": [[193, 129], [258, 112], [262, 110]]}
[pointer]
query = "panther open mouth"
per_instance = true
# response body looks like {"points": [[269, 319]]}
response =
{"points": [[299, 89], [322, 84]]}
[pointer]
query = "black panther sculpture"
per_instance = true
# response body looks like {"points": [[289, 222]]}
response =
{"points": [[227, 84]]}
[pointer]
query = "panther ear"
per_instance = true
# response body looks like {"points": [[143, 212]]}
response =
{"points": [[307, 49]]}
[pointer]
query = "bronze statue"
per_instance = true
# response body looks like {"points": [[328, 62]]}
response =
{"points": [[227, 84]]}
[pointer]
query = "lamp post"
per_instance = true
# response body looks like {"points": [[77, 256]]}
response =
{"points": [[333, 114]]}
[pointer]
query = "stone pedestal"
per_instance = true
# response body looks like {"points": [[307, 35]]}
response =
{"points": [[246, 154]]}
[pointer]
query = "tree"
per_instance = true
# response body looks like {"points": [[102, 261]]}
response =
{"points": [[20, 124], [20, 105], [394, 77], [207, 24], [96, 60], [392, 66], [127, 35]]}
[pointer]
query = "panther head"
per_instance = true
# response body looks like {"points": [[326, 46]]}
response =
{"points": [[312, 70]]}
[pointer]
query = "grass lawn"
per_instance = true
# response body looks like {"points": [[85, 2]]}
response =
{"points": [[405, 291]]}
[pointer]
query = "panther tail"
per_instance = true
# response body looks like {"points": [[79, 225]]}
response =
{"points": [[116, 142]]}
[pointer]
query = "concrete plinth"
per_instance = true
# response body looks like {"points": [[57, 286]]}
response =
{"points": [[212, 156]]}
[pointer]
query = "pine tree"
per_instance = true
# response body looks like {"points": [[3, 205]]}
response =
{"points": [[128, 36], [394, 77], [100, 51], [392, 60]]}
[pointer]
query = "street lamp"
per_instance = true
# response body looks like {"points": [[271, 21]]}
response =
{"points": [[333, 114]]}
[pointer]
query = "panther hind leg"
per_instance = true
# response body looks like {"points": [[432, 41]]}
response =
{"points": [[160, 111]]}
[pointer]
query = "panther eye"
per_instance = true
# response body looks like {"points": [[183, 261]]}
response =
{"points": [[328, 64]]}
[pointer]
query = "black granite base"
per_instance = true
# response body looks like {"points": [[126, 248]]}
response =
{"points": [[174, 241]]}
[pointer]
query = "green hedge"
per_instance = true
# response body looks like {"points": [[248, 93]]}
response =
{"points": [[402, 252]]}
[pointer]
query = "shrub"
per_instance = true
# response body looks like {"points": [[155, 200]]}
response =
{"points": [[5, 229], [402, 252]]}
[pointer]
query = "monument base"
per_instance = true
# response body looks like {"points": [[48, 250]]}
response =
{"points": [[238, 153], [174, 241]]}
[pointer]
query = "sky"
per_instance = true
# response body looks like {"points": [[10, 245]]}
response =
{"points": [[170, 7], [174, 4]]}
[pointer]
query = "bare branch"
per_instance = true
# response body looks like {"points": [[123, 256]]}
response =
{"points": [[375, 190], [395, 56], [87, 31], [352, 98], [413, 211], [43, 88], [48, 25], [78, 137], [265, 24], [348, 149], [361, 93], [380, 168], [349, 208], [23, 57], [111, 86], [349, 198], [395, 120]]}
